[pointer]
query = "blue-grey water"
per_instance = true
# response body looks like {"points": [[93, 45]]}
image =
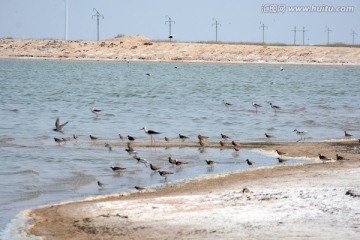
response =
{"points": [[175, 98]]}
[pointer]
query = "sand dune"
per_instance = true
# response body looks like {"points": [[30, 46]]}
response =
{"points": [[138, 48]]}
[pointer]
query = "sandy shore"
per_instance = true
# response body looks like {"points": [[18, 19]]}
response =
{"points": [[320, 201], [138, 48]]}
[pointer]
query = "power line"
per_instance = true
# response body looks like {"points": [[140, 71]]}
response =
{"points": [[169, 21], [98, 15], [328, 30], [353, 33], [295, 34], [263, 27], [66, 19], [216, 28], [303, 35]]}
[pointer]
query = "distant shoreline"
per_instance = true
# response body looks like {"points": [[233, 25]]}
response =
{"points": [[142, 49]]}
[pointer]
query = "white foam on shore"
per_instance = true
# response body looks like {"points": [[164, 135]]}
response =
{"points": [[18, 228], [20, 225]]}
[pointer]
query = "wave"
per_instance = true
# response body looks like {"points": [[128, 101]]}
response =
{"points": [[18, 228]]}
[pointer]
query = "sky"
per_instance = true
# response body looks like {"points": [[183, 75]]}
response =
{"points": [[194, 20]]}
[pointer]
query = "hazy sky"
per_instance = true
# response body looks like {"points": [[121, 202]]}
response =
{"points": [[240, 20]]}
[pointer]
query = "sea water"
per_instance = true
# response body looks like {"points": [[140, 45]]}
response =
{"points": [[172, 98]]}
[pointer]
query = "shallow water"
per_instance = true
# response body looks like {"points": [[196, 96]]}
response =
{"points": [[176, 98]]}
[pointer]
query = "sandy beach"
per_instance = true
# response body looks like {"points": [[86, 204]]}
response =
{"points": [[318, 201], [139, 48]]}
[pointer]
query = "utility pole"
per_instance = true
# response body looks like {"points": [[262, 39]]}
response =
{"points": [[216, 28], [294, 35], [169, 21], [328, 30], [98, 15], [263, 27], [66, 19], [303, 31], [353, 33]]}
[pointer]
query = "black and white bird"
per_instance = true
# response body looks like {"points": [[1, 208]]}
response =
{"points": [[268, 136], [210, 162], [256, 106], [141, 160], [226, 104], [301, 134], [131, 138], [183, 137], [59, 127], [151, 133], [274, 107], [96, 111]]}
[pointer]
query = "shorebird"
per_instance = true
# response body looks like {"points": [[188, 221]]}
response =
{"points": [[76, 137], [139, 188], [183, 137], [323, 158], [93, 137], [172, 161], [131, 138], [222, 143], [142, 160], [236, 148], [275, 108], [250, 163], [179, 163], [122, 137], [67, 139], [268, 136], [281, 160], [202, 137], [347, 134], [338, 157], [96, 111], [280, 153], [235, 143], [100, 184], [167, 139], [151, 133], [225, 137], [117, 169], [58, 140], [301, 134], [131, 150], [154, 168], [108, 146], [59, 127], [226, 104], [256, 106], [210, 162], [164, 173], [245, 190]]}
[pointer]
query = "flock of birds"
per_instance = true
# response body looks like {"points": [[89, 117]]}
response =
{"points": [[59, 127]]}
